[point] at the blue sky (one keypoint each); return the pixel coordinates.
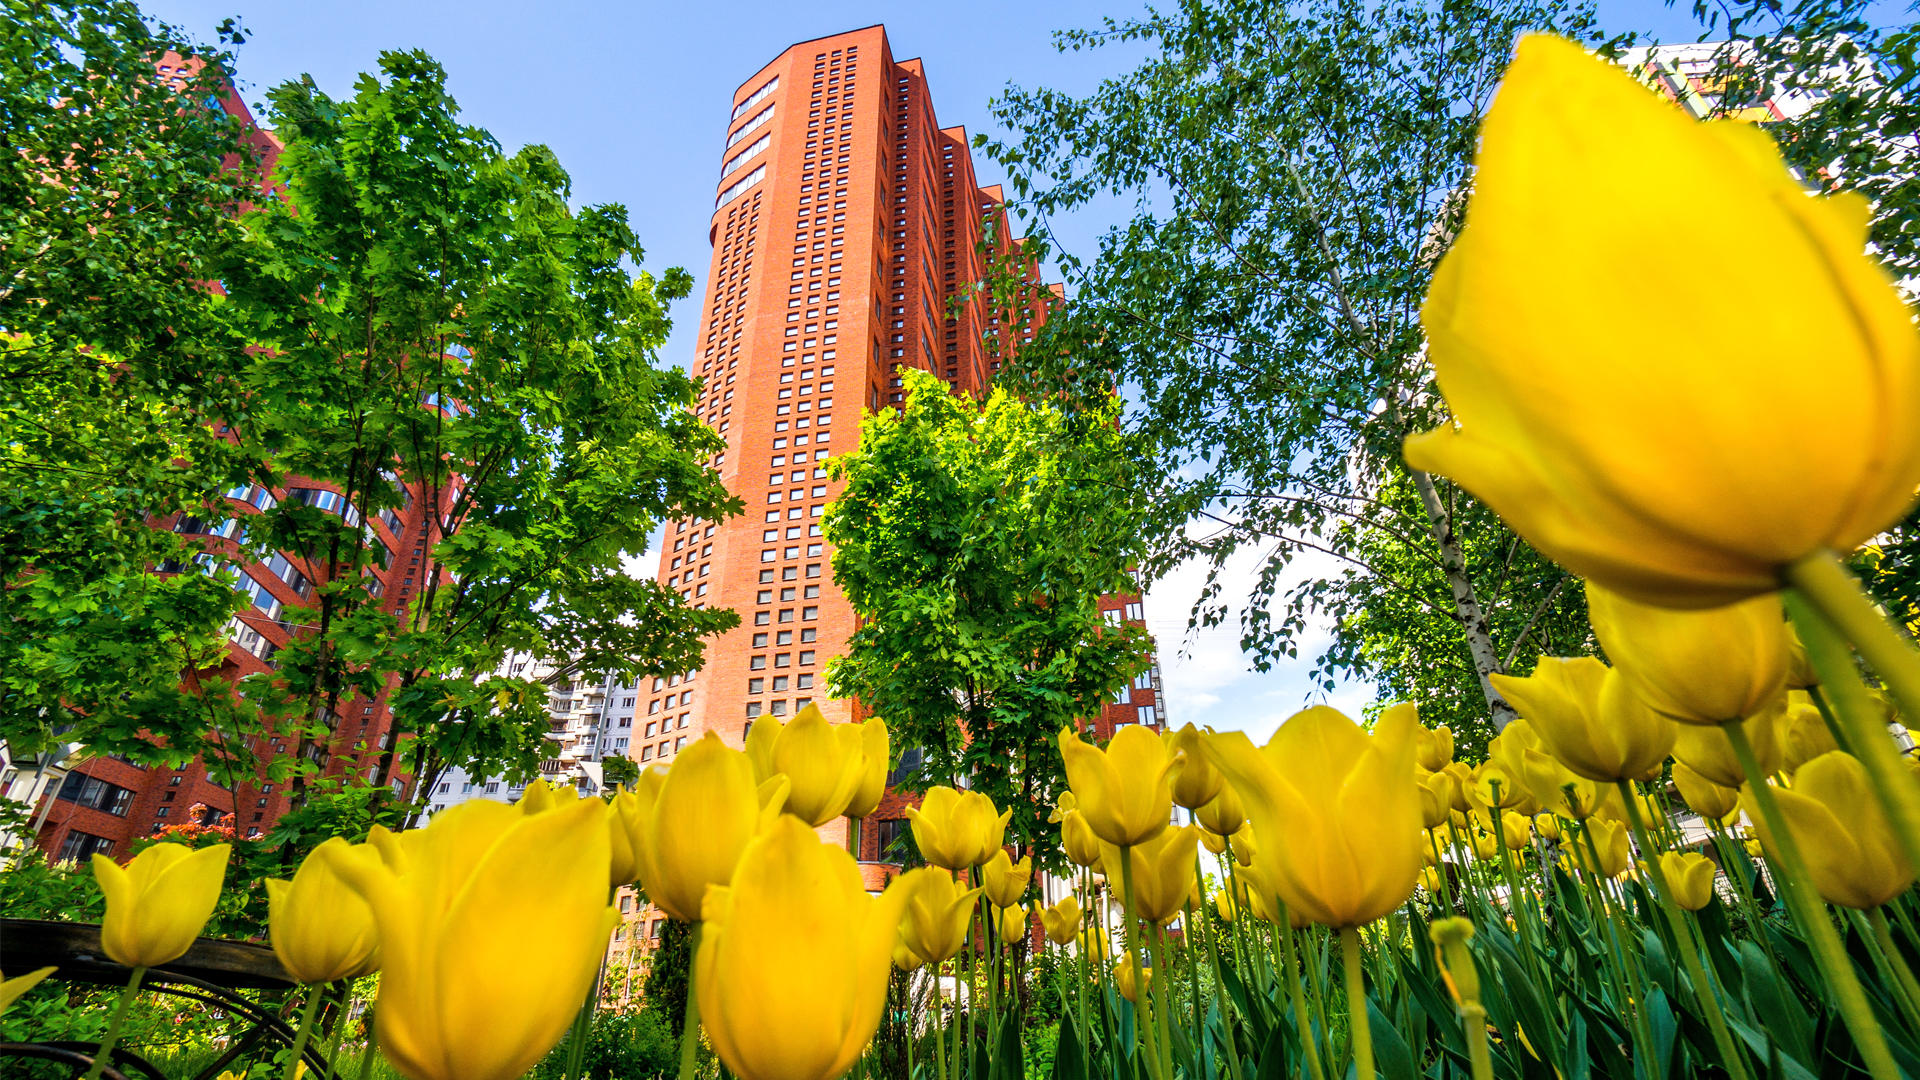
(634, 98)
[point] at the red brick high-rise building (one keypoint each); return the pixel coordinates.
(846, 222)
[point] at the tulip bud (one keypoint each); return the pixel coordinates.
(957, 830)
(1690, 877)
(159, 902)
(1194, 781)
(1548, 826)
(1800, 672)
(320, 927)
(542, 796)
(1004, 879)
(1225, 814)
(1494, 787)
(1012, 923)
(1559, 790)
(1062, 920)
(1213, 841)
(710, 783)
(906, 959)
(1223, 904)
(1589, 444)
(827, 765)
(1076, 837)
(1609, 838)
(813, 1013)
(1094, 942)
(1514, 827)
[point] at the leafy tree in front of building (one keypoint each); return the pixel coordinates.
(974, 539)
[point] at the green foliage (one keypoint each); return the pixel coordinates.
(429, 320)
(1295, 170)
(619, 772)
(115, 199)
(974, 540)
(669, 975)
(634, 1045)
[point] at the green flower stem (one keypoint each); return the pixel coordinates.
(1440, 871)
(1359, 1031)
(1827, 717)
(1473, 1016)
(1812, 916)
(1625, 985)
(1706, 992)
(1535, 951)
(305, 1031)
(1193, 972)
(1162, 993)
(1313, 961)
(112, 1037)
(1878, 946)
(1882, 933)
(1226, 1002)
(1283, 936)
(1142, 1025)
(690, 1022)
(1830, 610)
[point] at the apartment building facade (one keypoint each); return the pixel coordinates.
(849, 231)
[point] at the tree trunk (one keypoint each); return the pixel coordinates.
(1466, 605)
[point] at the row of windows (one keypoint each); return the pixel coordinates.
(96, 794)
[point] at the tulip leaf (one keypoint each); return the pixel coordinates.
(1773, 1003)
(1767, 1050)
(1008, 1063)
(1659, 963)
(1391, 1055)
(1069, 1057)
(1273, 1064)
(1665, 1030)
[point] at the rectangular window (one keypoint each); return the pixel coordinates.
(83, 845)
(96, 794)
(1147, 715)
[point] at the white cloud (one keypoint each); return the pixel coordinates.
(1209, 681)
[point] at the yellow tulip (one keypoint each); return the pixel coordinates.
(542, 796)
(793, 963)
(1460, 791)
(826, 764)
(1842, 830)
(709, 783)
(1013, 924)
(159, 902)
(1628, 429)
(1494, 785)
(1484, 846)
(1804, 734)
(12, 989)
(906, 959)
(1004, 879)
(1225, 814)
(1690, 875)
(1213, 841)
(1431, 881)
(1436, 799)
(1094, 941)
(1548, 826)
(1514, 827)
(320, 927)
(1194, 780)
(1123, 977)
(1246, 847)
(1708, 751)
(1559, 790)
(457, 999)
(1224, 905)
(1124, 791)
(877, 748)
(1610, 839)
(626, 814)
(1076, 836)
(1697, 667)
(1800, 673)
(938, 912)
(1162, 871)
(1589, 718)
(1433, 749)
(1706, 798)
(1062, 920)
(957, 829)
(1342, 807)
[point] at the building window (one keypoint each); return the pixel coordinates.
(83, 845)
(95, 794)
(1146, 714)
